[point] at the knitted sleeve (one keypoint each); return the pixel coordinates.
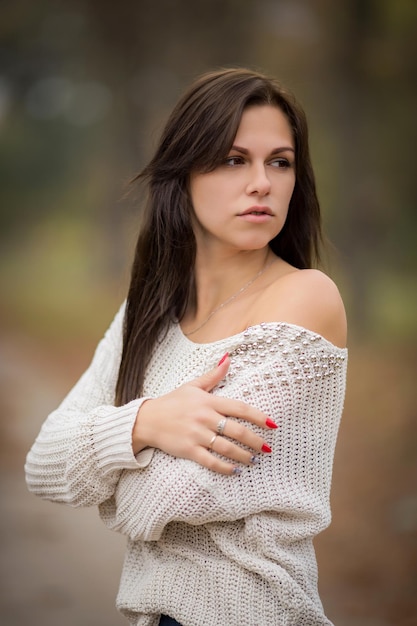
(84, 445)
(300, 383)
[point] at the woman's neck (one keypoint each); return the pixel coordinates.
(221, 281)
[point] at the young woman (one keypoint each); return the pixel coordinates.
(205, 426)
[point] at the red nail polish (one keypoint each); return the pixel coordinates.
(270, 423)
(266, 448)
(224, 357)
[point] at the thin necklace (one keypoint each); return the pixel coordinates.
(233, 297)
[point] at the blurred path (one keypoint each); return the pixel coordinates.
(59, 565)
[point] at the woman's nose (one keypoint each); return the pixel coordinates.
(258, 183)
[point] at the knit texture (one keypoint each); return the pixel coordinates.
(207, 549)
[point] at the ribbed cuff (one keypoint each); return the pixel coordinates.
(112, 438)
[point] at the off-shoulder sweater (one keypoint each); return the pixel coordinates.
(206, 548)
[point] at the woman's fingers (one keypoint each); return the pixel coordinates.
(228, 457)
(229, 450)
(241, 410)
(237, 443)
(210, 379)
(205, 458)
(243, 435)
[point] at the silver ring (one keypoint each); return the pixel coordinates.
(221, 425)
(212, 440)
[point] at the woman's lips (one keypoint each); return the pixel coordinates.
(257, 208)
(256, 214)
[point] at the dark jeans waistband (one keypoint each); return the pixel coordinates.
(168, 621)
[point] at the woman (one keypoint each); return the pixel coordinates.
(227, 333)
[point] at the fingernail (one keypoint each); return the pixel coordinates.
(237, 470)
(270, 423)
(254, 459)
(266, 448)
(224, 357)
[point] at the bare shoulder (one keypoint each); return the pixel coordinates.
(307, 298)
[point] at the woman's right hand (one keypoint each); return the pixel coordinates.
(183, 423)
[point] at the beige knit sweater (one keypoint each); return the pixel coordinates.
(207, 549)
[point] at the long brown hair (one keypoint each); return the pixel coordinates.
(198, 135)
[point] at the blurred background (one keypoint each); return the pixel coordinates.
(85, 87)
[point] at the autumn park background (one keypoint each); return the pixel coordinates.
(85, 86)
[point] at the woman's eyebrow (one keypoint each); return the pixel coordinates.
(283, 149)
(274, 151)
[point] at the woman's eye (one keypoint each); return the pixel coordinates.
(281, 163)
(233, 160)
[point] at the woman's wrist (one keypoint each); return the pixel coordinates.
(139, 438)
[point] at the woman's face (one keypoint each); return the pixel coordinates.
(243, 203)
